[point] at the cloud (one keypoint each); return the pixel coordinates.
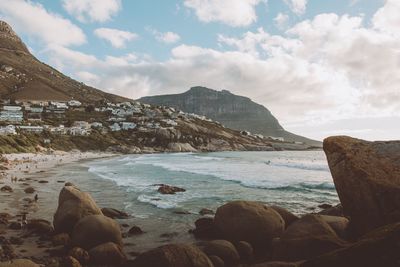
(297, 6)
(236, 13)
(47, 27)
(387, 18)
(116, 38)
(164, 37)
(281, 20)
(92, 10)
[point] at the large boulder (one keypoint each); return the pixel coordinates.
(223, 249)
(367, 179)
(107, 254)
(378, 248)
(249, 221)
(94, 230)
(338, 224)
(73, 205)
(306, 238)
(174, 255)
(286, 215)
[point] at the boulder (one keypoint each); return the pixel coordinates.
(107, 254)
(333, 211)
(367, 179)
(70, 262)
(249, 221)
(174, 255)
(216, 261)
(286, 215)
(94, 230)
(206, 229)
(206, 212)
(245, 250)
(169, 190)
(277, 264)
(39, 226)
(338, 224)
(378, 248)
(60, 239)
(19, 263)
(80, 254)
(114, 213)
(135, 230)
(73, 205)
(222, 249)
(306, 238)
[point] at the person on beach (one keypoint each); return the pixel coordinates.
(36, 198)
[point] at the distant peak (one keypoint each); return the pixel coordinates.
(202, 89)
(9, 39)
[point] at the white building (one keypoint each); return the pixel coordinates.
(96, 125)
(77, 131)
(281, 139)
(81, 124)
(115, 127)
(128, 125)
(31, 129)
(10, 129)
(74, 103)
(12, 114)
(170, 122)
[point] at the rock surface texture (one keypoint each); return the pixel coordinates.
(367, 179)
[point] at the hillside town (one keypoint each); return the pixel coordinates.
(39, 116)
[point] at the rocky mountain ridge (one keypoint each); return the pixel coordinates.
(233, 111)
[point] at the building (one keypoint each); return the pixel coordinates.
(96, 125)
(77, 131)
(31, 129)
(74, 103)
(81, 124)
(128, 125)
(12, 114)
(115, 127)
(8, 130)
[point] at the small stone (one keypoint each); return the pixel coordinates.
(135, 230)
(6, 188)
(29, 190)
(206, 212)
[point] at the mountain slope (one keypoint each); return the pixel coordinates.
(22, 76)
(236, 112)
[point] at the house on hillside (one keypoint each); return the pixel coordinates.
(8, 130)
(128, 125)
(12, 114)
(81, 124)
(74, 103)
(115, 127)
(77, 131)
(31, 129)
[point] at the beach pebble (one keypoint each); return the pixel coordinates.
(6, 188)
(29, 190)
(135, 230)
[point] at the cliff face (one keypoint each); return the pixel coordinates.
(236, 112)
(23, 77)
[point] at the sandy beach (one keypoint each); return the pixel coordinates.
(24, 177)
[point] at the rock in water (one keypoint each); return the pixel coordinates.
(94, 230)
(306, 238)
(169, 190)
(367, 179)
(176, 255)
(114, 213)
(249, 221)
(73, 205)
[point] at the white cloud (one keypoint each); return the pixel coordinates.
(387, 18)
(34, 20)
(297, 6)
(235, 13)
(117, 38)
(281, 20)
(92, 10)
(164, 37)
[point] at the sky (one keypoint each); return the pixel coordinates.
(321, 67)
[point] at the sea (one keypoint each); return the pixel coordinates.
(297, 180)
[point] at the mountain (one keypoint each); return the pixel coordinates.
(23, 77)
(233, 111)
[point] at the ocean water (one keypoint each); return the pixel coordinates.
(296, 180)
